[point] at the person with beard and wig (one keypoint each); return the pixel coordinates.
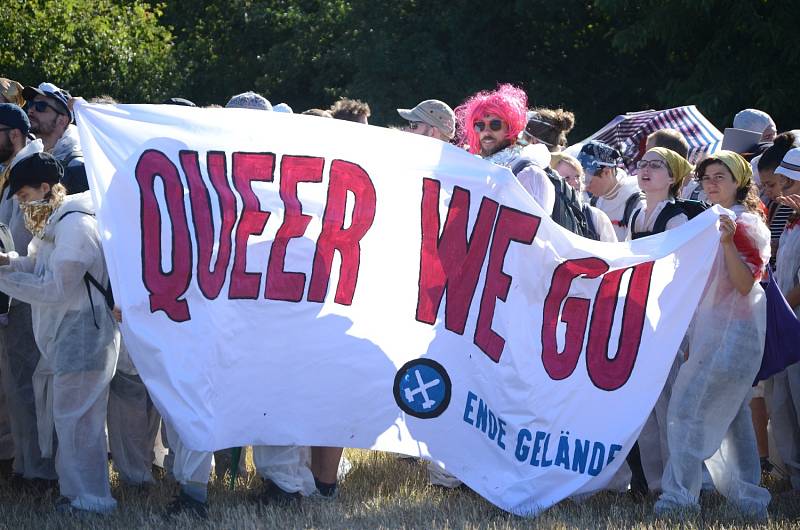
(51, 121)
(61, 277)
(489, 124)
(20, 355)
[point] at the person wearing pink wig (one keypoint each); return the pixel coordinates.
(489, 123)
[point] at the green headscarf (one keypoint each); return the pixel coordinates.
(679, 167)
(736, 164)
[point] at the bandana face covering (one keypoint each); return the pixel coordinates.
(37, 213)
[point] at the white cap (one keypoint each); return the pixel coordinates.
(790, 165)
(752, 120)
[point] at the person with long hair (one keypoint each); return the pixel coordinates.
(708, 418)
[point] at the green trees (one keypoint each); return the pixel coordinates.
(598, 58)
(89, 47)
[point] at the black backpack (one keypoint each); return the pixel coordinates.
(568, 211)
(89, 280)
(630, 206)
(673, 208)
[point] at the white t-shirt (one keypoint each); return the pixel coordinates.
(602, 225)
(613, 202)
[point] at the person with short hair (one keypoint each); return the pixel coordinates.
(432, 118)
(73, 327)
(671, 139)
(708, 418)
(572, 172)
(612, 190)
(351, 110)
(51, 121)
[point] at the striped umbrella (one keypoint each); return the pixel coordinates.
(628, 132)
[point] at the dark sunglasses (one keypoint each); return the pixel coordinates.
(414, 125)
(494, 125)
(42, 106)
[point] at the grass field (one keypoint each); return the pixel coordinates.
(381, 491)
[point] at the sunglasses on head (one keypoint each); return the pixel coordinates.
(42, 106)
(494, 125)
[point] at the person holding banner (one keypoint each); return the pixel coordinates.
(73, 327)
(489, 124)
(708, 418)
(661, 174)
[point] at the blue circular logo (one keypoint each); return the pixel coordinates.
(422, 388)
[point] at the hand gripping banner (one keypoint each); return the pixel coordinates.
(289, 279)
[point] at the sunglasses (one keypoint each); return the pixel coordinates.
(42, 106)
(494, 125)
(414, 125)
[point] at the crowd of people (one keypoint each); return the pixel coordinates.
(71, 396)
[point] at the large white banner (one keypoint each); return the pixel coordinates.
(291, 279)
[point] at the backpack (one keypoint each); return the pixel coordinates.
(568, 211)
(89, 281)
(689, 208)
(630, 206)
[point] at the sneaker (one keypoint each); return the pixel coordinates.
(325, 491)
(185, 504)
(671, 509)
(6, 468)
(63, 506)
(272, 494)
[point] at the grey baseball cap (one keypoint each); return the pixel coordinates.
(433, 112)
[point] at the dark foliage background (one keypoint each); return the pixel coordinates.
(598, 58)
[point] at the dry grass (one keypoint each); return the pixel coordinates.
(380, 492)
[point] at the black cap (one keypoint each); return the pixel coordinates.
(13, 116)
(33, 171)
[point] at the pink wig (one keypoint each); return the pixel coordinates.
(508, 102)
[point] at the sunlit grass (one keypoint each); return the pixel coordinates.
(381, 491)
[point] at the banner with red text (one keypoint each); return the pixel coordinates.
(289, 279)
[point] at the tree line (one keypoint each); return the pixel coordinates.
(598, 58)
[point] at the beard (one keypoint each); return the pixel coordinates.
(6, 149)
(41, 127)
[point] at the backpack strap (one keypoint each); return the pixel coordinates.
(90, 281)
(521, 164)
(630, 205)
(75, 211)
(670, 210)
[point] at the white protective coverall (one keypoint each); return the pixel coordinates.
(286, 466)
(20, 353)
(783, 389)
(133, 423)
(708, 417)
(78, 340)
